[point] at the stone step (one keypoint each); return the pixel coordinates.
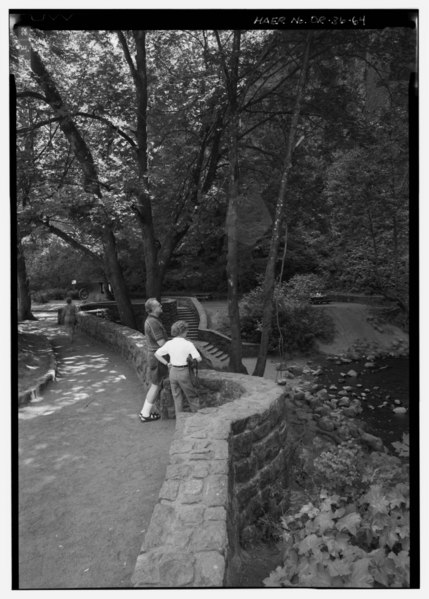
(190, 319)
(212, 351)
(216, 352)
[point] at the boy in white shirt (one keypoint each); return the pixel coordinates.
(179, 349)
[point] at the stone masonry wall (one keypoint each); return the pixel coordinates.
(131, 344)
(227, 467)
(258, 448)
(168, 316)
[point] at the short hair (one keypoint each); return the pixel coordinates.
(149, 304)
(178, 327)
(68, 300)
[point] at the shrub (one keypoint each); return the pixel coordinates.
(301, 287)
(39, 296)
(340, 470)
(295, 325)
(47, 295)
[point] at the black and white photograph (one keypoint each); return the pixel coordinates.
(214, 299)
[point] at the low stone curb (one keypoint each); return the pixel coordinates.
(41, 383)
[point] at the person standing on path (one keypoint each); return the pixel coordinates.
(70, 318)
(179, 350)
(156, 336)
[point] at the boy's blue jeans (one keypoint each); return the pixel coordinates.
(181, 386)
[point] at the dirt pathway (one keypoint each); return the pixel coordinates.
(352, 326)
(89, 471)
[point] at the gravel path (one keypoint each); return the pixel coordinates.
(89, 472)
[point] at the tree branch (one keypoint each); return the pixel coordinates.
(72, 134)
(69, 239)
(110, 124)
(127, 55)
(30, 94)
(223, 61)
(81, 114)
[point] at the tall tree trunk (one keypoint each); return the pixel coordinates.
(156, 258)
(374, 248)
(395, 251)
(269, 278)
(24, 297)
(231, 79)
(115, 276)
(235, 355)
(150, 244)
(284, 253)
(90, 181)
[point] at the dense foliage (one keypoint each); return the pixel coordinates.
(347, 207)
(296, 325)
(355, 530)
(199, 160)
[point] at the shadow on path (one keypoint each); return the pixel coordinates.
(89, 471)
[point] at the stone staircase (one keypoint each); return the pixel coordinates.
(218, 358)
(189, 315)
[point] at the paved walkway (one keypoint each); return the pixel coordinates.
(89, 471)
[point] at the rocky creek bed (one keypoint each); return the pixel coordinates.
(383, 391)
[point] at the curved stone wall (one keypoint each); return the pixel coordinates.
(131, 344)
(227, 467)
(168, 316)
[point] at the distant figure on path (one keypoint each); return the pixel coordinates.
(179, 348)
(156, 336)
(70, 318)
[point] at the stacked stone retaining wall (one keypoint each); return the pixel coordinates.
(131, 344)
(227, 468)
(168, 316)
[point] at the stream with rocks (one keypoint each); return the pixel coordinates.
(383, 390)
(375, 392)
